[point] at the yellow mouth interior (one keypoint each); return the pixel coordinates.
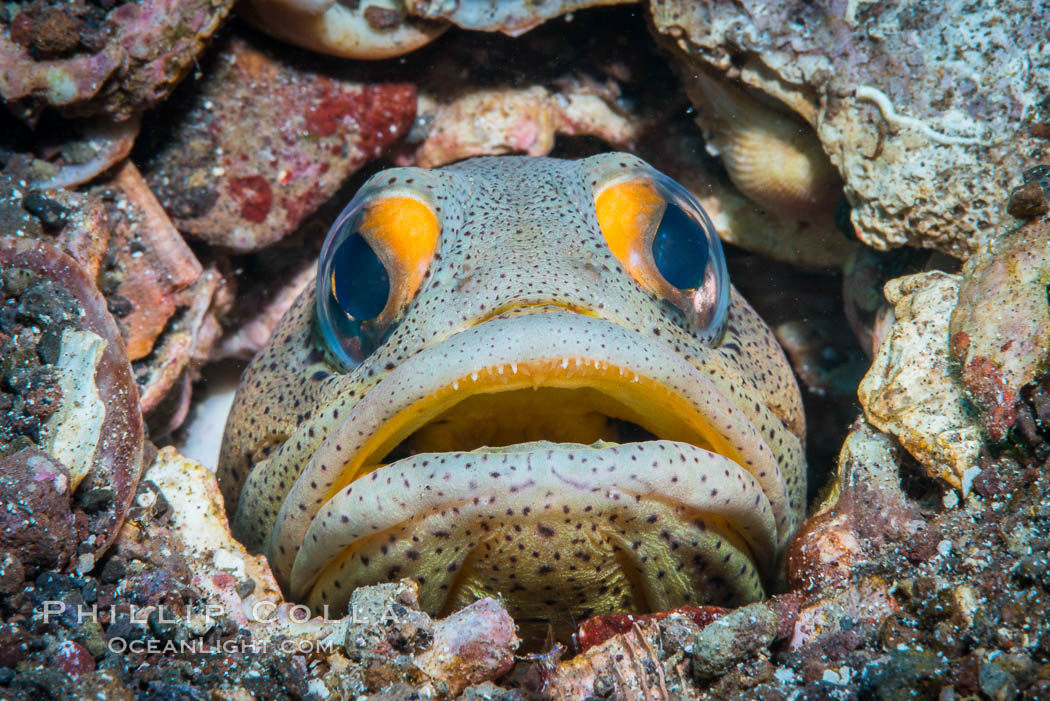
(575, 400)
(556, 414)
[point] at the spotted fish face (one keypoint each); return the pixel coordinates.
(526, 378)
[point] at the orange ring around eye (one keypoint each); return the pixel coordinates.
(403, 232)
(628, 214)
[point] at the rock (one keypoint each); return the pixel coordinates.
(73, 658)
(95, 500)
(113, 571)
(385, 629)
(1000, 328)
(47, 304)
(265, 140)
(867, 601)
(902, 672)
(487, 691)
(910, 390)
(473, 645)
(84, 232)
(50, 213)
(52, 33)
(142, 53)
(386, 617)
(924, 115)
(1028, 201)
(864, 510)
(732, 638)
(35, 521)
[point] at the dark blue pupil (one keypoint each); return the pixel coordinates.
(680, 249)
(360, 282)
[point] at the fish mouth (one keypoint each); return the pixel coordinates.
(561, 461)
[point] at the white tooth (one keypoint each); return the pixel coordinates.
(474, 376)
(579, 362)
(564, 363)
(514, 368)
(455, 386)
(635, 378)
(500, 369)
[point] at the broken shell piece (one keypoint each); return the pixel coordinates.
(628, 665)
(113, 450)
(371, 29)
(72, 432)
(199, 520)
(165, 376)
(512, 17)
(148, 263)
(595, 631)
(509, 120)
(910, 391)
(773, 157)
(109, 141)
(1000, 329)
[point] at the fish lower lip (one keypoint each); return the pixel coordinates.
(583, 514)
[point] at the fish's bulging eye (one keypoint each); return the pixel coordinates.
(680, 249)
(371, 266)
(666, 242)
(360, 283)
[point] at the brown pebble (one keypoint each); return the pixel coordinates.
(55, 34)
(40, 530)
(1041, 130)
(43, 400)
(1028, 201)
(73, 658)
(987, 483)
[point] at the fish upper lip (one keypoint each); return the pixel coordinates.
(505, 342)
